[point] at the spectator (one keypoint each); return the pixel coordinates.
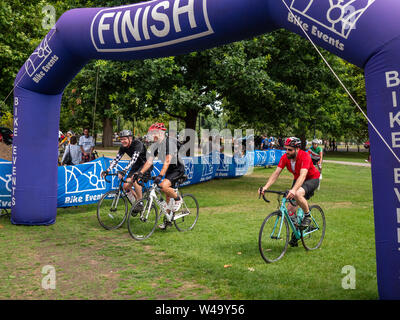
(74, 151)
(368, 146)
(264, 143)
(87, 145)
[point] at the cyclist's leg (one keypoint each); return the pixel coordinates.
(166, 187)
(301, 200)
(129, 191)
(304, 193)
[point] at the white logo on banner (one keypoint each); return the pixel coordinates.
(189, 167)
(5, 184)
(86, 180)
(39, 56)
(128, 27)
(341, 15)
(208, 168)
(262, 157)
(271, 157)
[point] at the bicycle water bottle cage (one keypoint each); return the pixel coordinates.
(292, 201)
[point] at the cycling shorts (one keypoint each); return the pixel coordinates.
(309, 187)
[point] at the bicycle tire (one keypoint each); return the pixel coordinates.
(273, 247)
(187, 216)
(313, 240)
(138, 227)
(108, 217)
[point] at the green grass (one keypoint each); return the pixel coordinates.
(92, 263)
(347, 156)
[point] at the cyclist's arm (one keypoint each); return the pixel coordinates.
(115, 161)
(273, 178)
(135, 156)
(166, 164)
(147, 165)
(320, 159)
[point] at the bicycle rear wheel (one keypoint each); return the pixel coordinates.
(141, 224)
(186, 217)
(273, 238)
(112, 209)
(313, 235)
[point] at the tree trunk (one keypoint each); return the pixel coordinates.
(190, 123)
(107, 133)
(191, 119)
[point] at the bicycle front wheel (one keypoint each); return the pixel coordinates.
(112, 209)
(313, 235)
(142, 219)
(186, 217)
(273, 238)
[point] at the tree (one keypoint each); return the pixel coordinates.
(21, 31)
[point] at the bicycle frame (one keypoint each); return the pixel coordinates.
(297, 232)
(154, 197)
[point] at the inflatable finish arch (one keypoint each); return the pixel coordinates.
(363, 32)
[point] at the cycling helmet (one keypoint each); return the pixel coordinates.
(316, 141)
(293, 142)
(158, 126)
(125, 133)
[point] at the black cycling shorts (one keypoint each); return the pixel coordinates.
(309, 187)
(175, 174)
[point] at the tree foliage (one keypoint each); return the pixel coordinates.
(275, 83)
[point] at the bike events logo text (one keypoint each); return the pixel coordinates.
(40, 63)
(392, 83)
(150, 25)
(338, 16)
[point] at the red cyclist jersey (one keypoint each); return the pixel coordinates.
(303, 161)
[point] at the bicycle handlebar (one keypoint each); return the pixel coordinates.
(115, 174)
(280, 193)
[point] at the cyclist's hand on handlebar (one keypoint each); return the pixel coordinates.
(261, 190)
(290, 195)
(104, 173)
(157, 179)
(121, 174)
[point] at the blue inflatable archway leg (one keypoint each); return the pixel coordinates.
(382, 74)
(34, 157)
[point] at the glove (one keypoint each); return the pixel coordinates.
(157, 179)
(139, 176)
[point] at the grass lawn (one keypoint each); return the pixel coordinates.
(219, 259)
(347, 156)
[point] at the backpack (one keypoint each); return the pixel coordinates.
(68, 158)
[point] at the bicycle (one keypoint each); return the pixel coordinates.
(112, 208)
(4, 213)
(142, 224)
(274, 234)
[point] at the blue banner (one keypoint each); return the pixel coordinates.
(82, 184)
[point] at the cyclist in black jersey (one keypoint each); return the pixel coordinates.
(137, 151)
(167, 150)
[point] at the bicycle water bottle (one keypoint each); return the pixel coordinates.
(300, 215)
(163, 204)
(293, 217)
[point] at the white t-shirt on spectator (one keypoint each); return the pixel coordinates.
(86, 143)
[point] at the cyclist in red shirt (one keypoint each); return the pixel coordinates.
(306, 177)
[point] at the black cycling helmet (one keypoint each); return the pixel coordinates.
(125, 133)
(293, 142)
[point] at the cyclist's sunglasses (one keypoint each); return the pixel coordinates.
(289, 149)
